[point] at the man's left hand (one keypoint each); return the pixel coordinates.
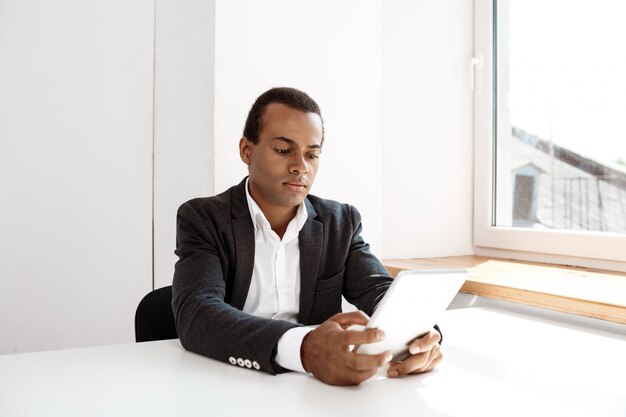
(425, 355)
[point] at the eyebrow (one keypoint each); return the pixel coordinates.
(292, 142)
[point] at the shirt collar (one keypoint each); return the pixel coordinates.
(257, 214)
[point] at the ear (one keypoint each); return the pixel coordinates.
(245, 150)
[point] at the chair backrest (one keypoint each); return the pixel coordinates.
(154, 319)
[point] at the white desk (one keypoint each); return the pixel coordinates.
(497, 364)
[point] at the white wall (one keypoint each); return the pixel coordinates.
(330, 49)
(77, 152)
(427, 127)
(183, 118)
(75, 171)
(392, 79)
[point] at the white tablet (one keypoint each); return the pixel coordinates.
(411, 307)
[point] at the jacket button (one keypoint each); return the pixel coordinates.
(232, 361)
(247, 363)
(256, 365)
(240, 362)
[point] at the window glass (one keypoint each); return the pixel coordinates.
(560, 118)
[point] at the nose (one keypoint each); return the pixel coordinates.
(298, 165)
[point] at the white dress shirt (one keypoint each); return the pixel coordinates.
(275, 286)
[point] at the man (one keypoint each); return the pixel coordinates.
(264, 259)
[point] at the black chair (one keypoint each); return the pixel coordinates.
(154, 319)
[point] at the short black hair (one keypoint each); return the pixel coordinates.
(290, 97)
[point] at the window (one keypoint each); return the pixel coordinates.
(550, 101)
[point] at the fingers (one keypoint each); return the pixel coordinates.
(361, 337)
(422, 362)
(325, 351)
(433, 364)
(360, 362)
(346, 320)
(425, 355)
(356, 337)
(425, 343)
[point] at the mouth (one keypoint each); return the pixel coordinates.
(295, 185)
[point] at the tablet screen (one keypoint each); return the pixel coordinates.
(411, 307)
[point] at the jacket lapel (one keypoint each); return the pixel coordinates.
(310, 242)
(243, 234)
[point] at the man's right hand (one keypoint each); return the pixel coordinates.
(325, 351)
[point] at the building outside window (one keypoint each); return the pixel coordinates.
(561, 106)
(550, 123)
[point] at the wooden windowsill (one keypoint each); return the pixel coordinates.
(582, 291)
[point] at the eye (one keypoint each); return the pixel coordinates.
(282, 151)
(312, 156)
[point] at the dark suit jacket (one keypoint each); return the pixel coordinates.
(215, 246)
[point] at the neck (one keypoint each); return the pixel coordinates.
(279, 218)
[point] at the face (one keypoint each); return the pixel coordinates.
(283, 164)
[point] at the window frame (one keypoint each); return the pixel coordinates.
(595, 245)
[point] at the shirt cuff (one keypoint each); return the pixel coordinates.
(288, 349)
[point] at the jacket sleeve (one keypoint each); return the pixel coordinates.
(206, 323)
(366, 280)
